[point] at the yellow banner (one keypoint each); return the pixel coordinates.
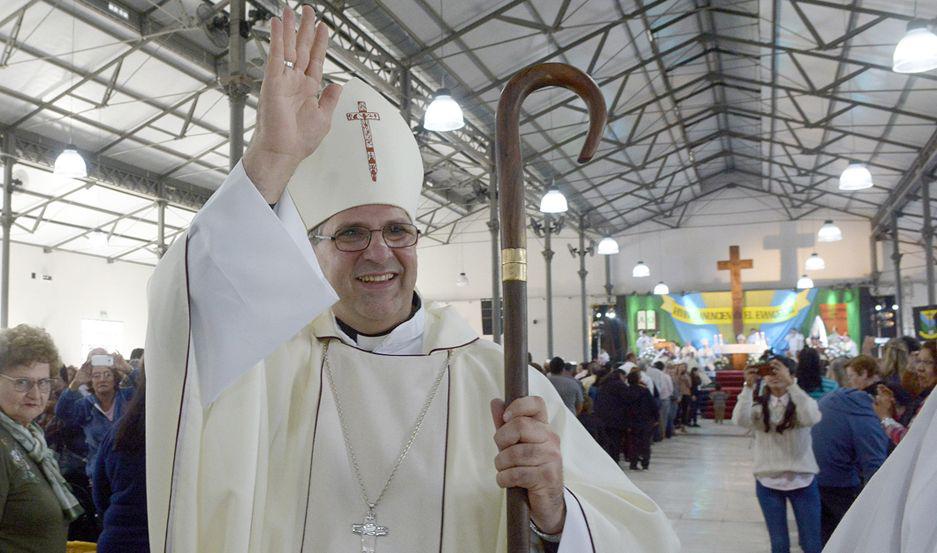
(754, 315)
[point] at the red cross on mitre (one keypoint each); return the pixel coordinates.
(364, 116)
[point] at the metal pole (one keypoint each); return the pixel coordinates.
(873, 259)
(238, 84)
(608, 278)
(494, 227)
(160, 227)
(928, 240)
(548, 256)
(896, 259)
(582, 289)
(7, 220)
(405, 103)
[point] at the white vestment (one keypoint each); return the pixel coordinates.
(895, 511)
(644, 343)
(244, 449)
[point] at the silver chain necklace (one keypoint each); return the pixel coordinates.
(369, 529)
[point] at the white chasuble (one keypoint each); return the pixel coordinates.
(244, 449)
(381, 401)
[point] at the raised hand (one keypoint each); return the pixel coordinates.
(82, 376)
(292, 117)
(884, 402)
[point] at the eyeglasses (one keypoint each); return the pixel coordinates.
(356, 239)
(25, 385)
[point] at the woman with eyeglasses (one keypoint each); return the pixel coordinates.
(36, 504)
(97, 411)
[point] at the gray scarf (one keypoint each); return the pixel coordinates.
(33, 441)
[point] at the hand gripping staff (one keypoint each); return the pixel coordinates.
(510, 167)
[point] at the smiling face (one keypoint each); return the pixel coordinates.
(24, 407)
(374, 285)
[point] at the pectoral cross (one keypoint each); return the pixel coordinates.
(369, 532)
(364, 116)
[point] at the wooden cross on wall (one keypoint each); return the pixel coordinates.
(735, 265)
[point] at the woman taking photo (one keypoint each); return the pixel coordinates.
(120, 481)
(96, 412)
(35, 502)
(780, 416)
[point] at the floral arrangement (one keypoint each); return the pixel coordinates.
(835, 351)
(649, 355)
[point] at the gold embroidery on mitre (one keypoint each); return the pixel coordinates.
(364, 116)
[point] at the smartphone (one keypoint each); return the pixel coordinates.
(764, 369)
(102, 360)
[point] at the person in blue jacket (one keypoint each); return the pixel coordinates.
(119, 481)
(96, 412)
(848, 443)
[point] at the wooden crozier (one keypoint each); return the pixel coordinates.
(510, 167)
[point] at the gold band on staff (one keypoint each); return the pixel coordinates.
(514, 264)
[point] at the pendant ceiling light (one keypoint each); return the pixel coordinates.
(444, 113)
(917, 51)
(829, 232)
(553, 202)
(70, 164)
(98, 240)
(462, 280)
(804, 283)
(607, 246)
(855, 177)
(661, 289)
(641, 270)
(815, 263)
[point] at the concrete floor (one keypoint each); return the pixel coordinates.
(703, 481)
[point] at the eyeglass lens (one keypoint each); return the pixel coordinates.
(24, 385)
(396, 235)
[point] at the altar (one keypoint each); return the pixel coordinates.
(739, 353)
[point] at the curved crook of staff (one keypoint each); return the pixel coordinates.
(510, 167)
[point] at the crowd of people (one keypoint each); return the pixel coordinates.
(629, 405)
(71, 447)
(72, 439)
(822, 431)
(821, 428)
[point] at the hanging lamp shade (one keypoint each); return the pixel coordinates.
(444, 113)
(70, 164)
(607, 246)
(917, 50)
(804, 283)
(98, 240)
(855, 177)
(829, 232)
(641, 270)
(661, 289)
(553, 202)
(462, 280)
(815, 263)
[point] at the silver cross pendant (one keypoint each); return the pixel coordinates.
(369, 532)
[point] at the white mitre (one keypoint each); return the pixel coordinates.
(369, 157)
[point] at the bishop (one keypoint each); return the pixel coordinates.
(303, 395)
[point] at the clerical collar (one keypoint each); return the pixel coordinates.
(415, 305)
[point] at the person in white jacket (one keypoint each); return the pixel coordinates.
(781, 416)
